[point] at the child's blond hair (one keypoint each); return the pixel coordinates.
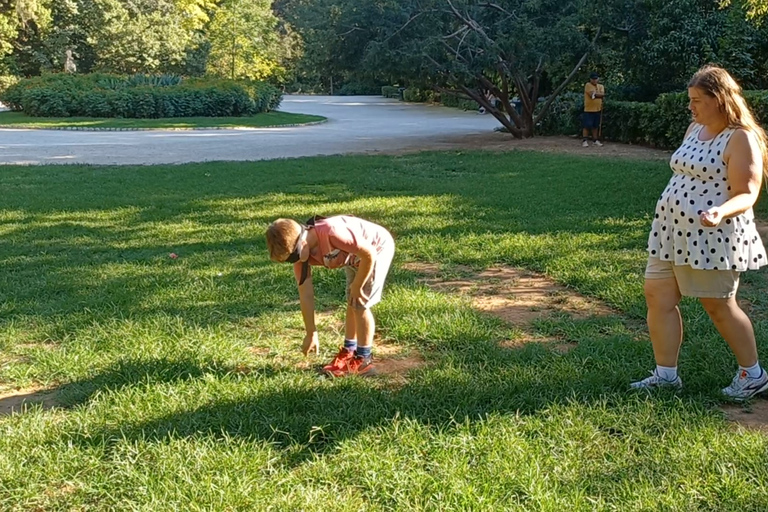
(282, 236)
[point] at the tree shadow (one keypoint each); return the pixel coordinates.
(121, 375)
(463, 383)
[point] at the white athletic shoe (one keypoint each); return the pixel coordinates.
(585, 144)
(597, 143)
(744, 387)
(655, 381)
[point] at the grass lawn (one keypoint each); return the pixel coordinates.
(20, 120)
(183, 381)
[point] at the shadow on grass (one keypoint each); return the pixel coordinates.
(463, 383)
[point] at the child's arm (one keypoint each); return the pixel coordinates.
(307, 301)
(367, 255)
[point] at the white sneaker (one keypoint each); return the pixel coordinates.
(743, 386)
(585, 144)
(655, 381)
(597, 143)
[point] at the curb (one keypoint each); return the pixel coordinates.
(177, 129)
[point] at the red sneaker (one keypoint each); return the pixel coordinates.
(339, 363)
(361, 366)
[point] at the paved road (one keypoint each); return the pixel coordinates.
(355, 124)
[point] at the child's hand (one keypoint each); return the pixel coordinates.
(357, 297)
(311, 343)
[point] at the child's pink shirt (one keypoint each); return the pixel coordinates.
(340, 238)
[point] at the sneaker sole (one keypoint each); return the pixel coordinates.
(762, 389)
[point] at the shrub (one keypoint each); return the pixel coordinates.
(415, 95)
(563, 115)
(632, 122)
(140, 96)
(390, 91)
(358, 89)
(662, 123)
(452, 100)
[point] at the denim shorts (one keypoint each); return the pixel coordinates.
(590, 119)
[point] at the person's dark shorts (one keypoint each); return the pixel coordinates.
(590, 119)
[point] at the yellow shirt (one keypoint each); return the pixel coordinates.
(591, 105)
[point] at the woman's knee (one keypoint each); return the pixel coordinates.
(717, 308)
(661, 294)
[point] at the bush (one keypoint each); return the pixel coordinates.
(452, 100)
(662, 123)
(390, 91)
(358, 89)
(632, 122)
(563, 116)
(415, 95)
(140, 96)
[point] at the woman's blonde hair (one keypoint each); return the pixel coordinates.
(719, 84)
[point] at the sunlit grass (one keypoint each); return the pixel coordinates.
(267, 119)
(183, 386)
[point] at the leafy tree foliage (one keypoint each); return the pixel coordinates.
(244, 39)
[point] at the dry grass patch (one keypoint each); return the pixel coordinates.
(753, 416)
(517, 296)
(18, 401)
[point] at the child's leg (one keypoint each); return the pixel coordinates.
(366, 327)
(350, 329)
(350, 324)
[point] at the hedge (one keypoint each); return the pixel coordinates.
(662, 123)
(390, 91)
(417, 95)
(101, 95)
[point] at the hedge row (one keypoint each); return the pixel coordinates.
(390, 91)
(662, 123)
(98, 95)
(416, 95)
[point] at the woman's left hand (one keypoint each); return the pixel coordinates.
(711, 218)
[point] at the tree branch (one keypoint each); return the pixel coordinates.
(567, 80)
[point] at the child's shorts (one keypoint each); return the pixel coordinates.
(374, 287)
(709, 284)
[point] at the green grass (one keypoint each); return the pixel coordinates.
(181, 378)
(268, 119)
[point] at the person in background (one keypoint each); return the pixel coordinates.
(594, 93)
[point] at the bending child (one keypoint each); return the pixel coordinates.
(365, 251)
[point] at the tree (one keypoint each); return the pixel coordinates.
(508, 48)
(22, 23)
(244, 40)
(137, 36)
(755, 9)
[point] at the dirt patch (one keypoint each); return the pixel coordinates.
(516, 296)
(752, 417)
(393, 361)
(18, 401)
(497, 141)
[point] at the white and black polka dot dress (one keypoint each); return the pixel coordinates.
(700, 182)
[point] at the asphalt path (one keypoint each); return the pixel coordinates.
(356, 124)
